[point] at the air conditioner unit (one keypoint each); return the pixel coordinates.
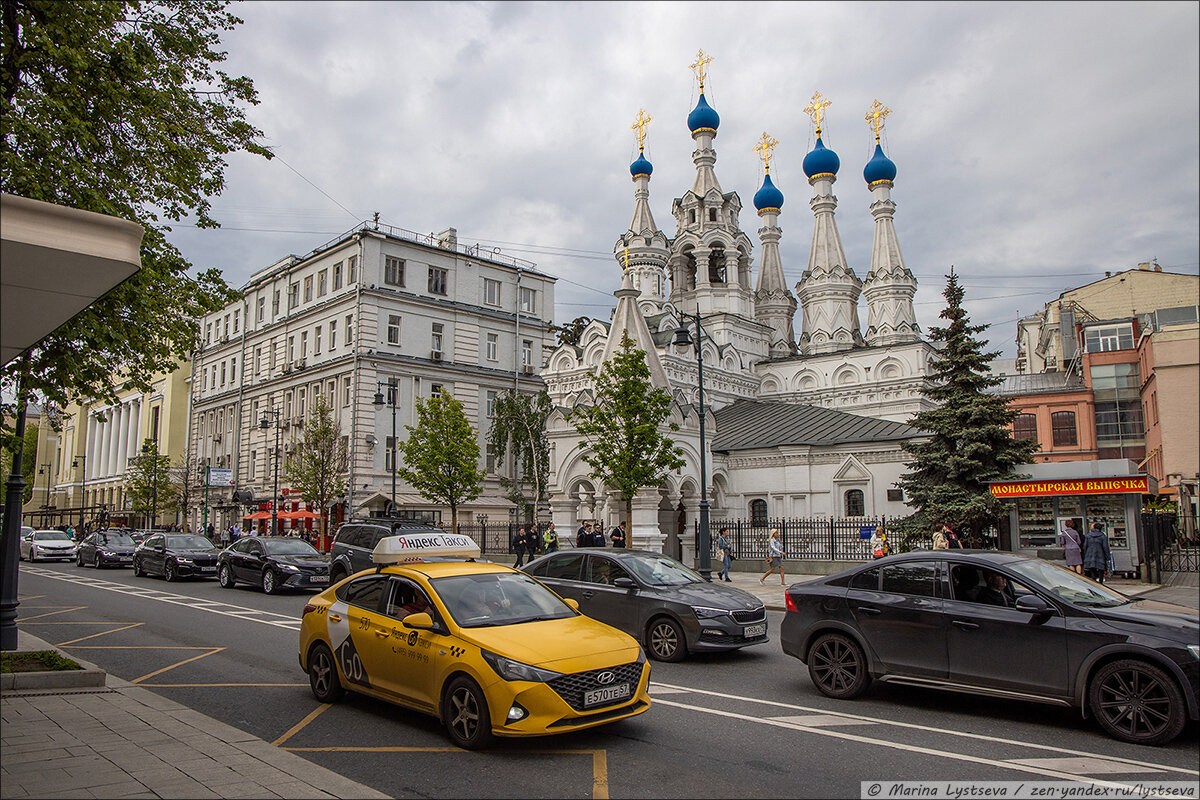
(300, 363)
(436, 355)
(287, 368)
(526, 369)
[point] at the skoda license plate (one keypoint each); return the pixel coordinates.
(755, 630)
(605, 694)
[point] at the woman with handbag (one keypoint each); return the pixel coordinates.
(1072, 542)
(725, 551)
(774, 557)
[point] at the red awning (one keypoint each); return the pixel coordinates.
(301, 514)
(259, 515)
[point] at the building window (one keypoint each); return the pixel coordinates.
(233, 370)
(437, 280)
(491, 292)
(1101, 339)
(490, 463)
(236, 316)
(317, 342)
(257, 360)
(435, 390)
(274, 346)
(337, 276)
(349, 329)
(528, 300)
(208, 333)
(1063, 425)
(493, 345)
(692, 215)
(855, 503)
(291, 349)
(222, 373)
(301, 393)
(293, 296)
(393, 271)
(253, 463)
(262, 309)
(758, 513)
(287, 405)
(303, 344)
(491, 404)
(226, 326)
(308, 287)
(389, 447)
(436, 338)
(333, 334)
(352, 269)
(1025, 427)
(393, 329)
(275, 305)
(526, 352)
(322, 283)
(712, 215)
(346, 391)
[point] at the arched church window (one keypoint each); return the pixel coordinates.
(692, 216)
(690, 270)
(716, 264)
(855, 503)
(712, 215)
(758, 513)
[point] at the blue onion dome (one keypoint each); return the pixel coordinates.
(821, 160)
(703, 116)
(641, 166)
(879, 168)
(768, 196)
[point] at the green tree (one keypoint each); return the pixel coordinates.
(442, 455)
(151, 486)
(119, 108)
(318, 467)
(969, 432)
(622, 433)
(570, 333)
(28, 460)
(519, 420)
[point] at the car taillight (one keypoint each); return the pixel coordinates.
(307, 608)
(791, 601)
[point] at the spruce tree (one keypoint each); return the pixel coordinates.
(970, 438)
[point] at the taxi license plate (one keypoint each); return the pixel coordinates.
(755, 630)
(318, 579)
(605, 694)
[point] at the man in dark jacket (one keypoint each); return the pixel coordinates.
(583, 536)
(618, 535)
(519, 541)
(533, 541)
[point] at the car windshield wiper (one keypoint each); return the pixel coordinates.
(541, 617)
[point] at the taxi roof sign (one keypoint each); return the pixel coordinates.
(418, 546)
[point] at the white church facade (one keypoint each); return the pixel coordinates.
(796, 425)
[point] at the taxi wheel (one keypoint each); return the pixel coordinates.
(323, 675)
(225, 577)
(666, 640)
(465, 714)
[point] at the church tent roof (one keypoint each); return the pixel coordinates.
(755, 424)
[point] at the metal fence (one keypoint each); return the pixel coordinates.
(811, 538)
(1162, 548)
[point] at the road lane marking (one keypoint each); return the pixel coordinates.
(292, 731)
(991, 739)
(911, 748)
(1090, 766)
(149, 593)
(61, 610)
(822, 720)
(180, 664)
(102, 633)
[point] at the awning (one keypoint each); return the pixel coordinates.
(259, 515)
(301, 514)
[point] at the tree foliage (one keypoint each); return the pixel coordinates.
(441, 454)
(119, 108)
(318, 465)
(969, 432)
(28, 457)
(622, 433)
(570, 333)
(519, 420)
(151, 486)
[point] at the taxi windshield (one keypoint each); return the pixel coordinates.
(498, 598)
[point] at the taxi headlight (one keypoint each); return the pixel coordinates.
(709, 613)
(516, 671)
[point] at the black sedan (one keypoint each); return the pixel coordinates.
(175, 556)
(667, 606)
(105, 549)
(274, 563)
(1002, 625)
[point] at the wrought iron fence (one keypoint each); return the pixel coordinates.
(1163, 549)
(807, 538)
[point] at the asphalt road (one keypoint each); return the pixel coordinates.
(745, 724)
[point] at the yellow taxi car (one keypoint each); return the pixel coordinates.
(488, 650)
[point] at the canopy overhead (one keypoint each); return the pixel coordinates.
(301, 514)
(258, 515)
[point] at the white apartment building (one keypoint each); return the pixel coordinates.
(376, 305)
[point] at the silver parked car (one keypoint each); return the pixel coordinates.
(46, 545)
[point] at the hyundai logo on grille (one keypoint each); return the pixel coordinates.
(605, 678)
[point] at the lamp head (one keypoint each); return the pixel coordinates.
(264, 423)
(683, 336)
(379, 401)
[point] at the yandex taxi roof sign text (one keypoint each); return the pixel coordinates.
(1130, 484)
(417, 546)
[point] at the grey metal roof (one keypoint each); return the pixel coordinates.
(752, 424)
(1039, 383)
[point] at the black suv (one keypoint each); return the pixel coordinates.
(355, 541)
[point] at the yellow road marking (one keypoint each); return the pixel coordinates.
(102, 633)
(76, 623)
(180, 664)
(139, 647)
(299, 725)
(52, 613)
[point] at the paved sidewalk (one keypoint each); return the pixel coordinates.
(122, 741)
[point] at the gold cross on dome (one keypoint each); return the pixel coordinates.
(639, 127)
(701, 66)
(816, 109)
(875, 116)
(626, 258)
(765, 147)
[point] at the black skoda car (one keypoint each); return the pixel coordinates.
(175, 556)
(1002, 625)
(105, 549)
(273, 563)
(656, 599)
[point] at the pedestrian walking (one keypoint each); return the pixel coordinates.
(583, 536)
(618, 535)
(775, 554)
(1072, 542)
(519, 542)
(880, 546)
(550, 539)
(725, 551)
(533, 540)
(1097, 558)
(598, 534)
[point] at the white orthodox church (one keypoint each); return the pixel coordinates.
(795, 426)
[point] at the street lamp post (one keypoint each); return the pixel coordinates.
(684, 337)
(263, 424)
(391, 401)
(80, 463)
(44, 469)
(153, 453)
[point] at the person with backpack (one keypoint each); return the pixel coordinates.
(550, 537)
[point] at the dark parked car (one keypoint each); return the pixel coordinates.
(1003, 625)
(273, 562)
(105, 549)
(355, 541)
(175, 556)
(656, 599)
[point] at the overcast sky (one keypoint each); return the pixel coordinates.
(1037, 145)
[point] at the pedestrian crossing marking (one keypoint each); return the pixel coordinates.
(1084, 766)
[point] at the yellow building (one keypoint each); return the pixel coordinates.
(88, 449)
